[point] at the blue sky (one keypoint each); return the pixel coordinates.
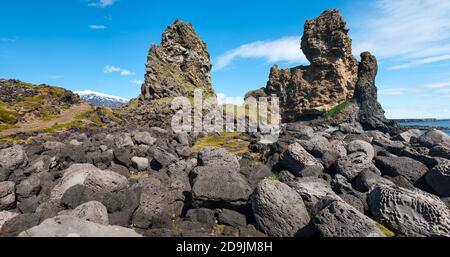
(101, 45)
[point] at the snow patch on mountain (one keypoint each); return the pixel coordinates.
(101, 99)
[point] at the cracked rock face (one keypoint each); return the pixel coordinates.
(180, 64)
(328, 81)
(410, 212)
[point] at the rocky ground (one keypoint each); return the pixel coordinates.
(315, 181)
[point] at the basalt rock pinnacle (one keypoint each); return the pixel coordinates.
(179, 65)
(369, 111)
(175, 68)
(328, 81)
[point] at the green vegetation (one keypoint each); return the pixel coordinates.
(138, 175)
(8, 116)
(6, 126)
(218, 229)
(93, 117)
(28, 85)
(12, 140)
(233, 142)
(385, 230)
(31, 102)
(254, 163)
(110, 114)
(274, 177)
(133, 104)
(338, 109)
(59, 127)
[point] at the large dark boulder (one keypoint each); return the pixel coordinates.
(439, 179)
(218, 186)
(433, 138)
(16, 225)
(410, 169)
(279, 210)
(162, 198)
(296, 158)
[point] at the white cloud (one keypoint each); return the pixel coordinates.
(8, 39)
(392, 91)
(438, 85)
(399, 91)
(410, 32)
(284, 49)
(404, 112)
(224, 99)
(113, 69)
(421, 61)
(101, 3)
(137, 82)
(97, 27)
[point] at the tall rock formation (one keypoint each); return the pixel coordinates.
(328, 81)
(365, 100)
(176, 67)
(180, 64)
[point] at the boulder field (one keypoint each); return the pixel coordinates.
(345, 184)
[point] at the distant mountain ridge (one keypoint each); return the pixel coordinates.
(101, 99)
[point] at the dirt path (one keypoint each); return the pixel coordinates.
(65, 117)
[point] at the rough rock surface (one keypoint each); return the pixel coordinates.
(296, 158)
(67, 226)
(410, 212)
(92, 211)
(7, 195)
(410, 169)
(232, 218)
(328, 81)
(440, 151)
(90, 176)
(439, 178)
(162, 198)
(339, 219)
(29, 186)
(218, 157)
(215, 185)
(279, 209)
(10, 159)
(434, 137)
(5, 216)
(367, 179)
(315, 192)
(361, 146)
(353, 164)
(19, 223)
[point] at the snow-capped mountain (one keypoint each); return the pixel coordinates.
(101, 99)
